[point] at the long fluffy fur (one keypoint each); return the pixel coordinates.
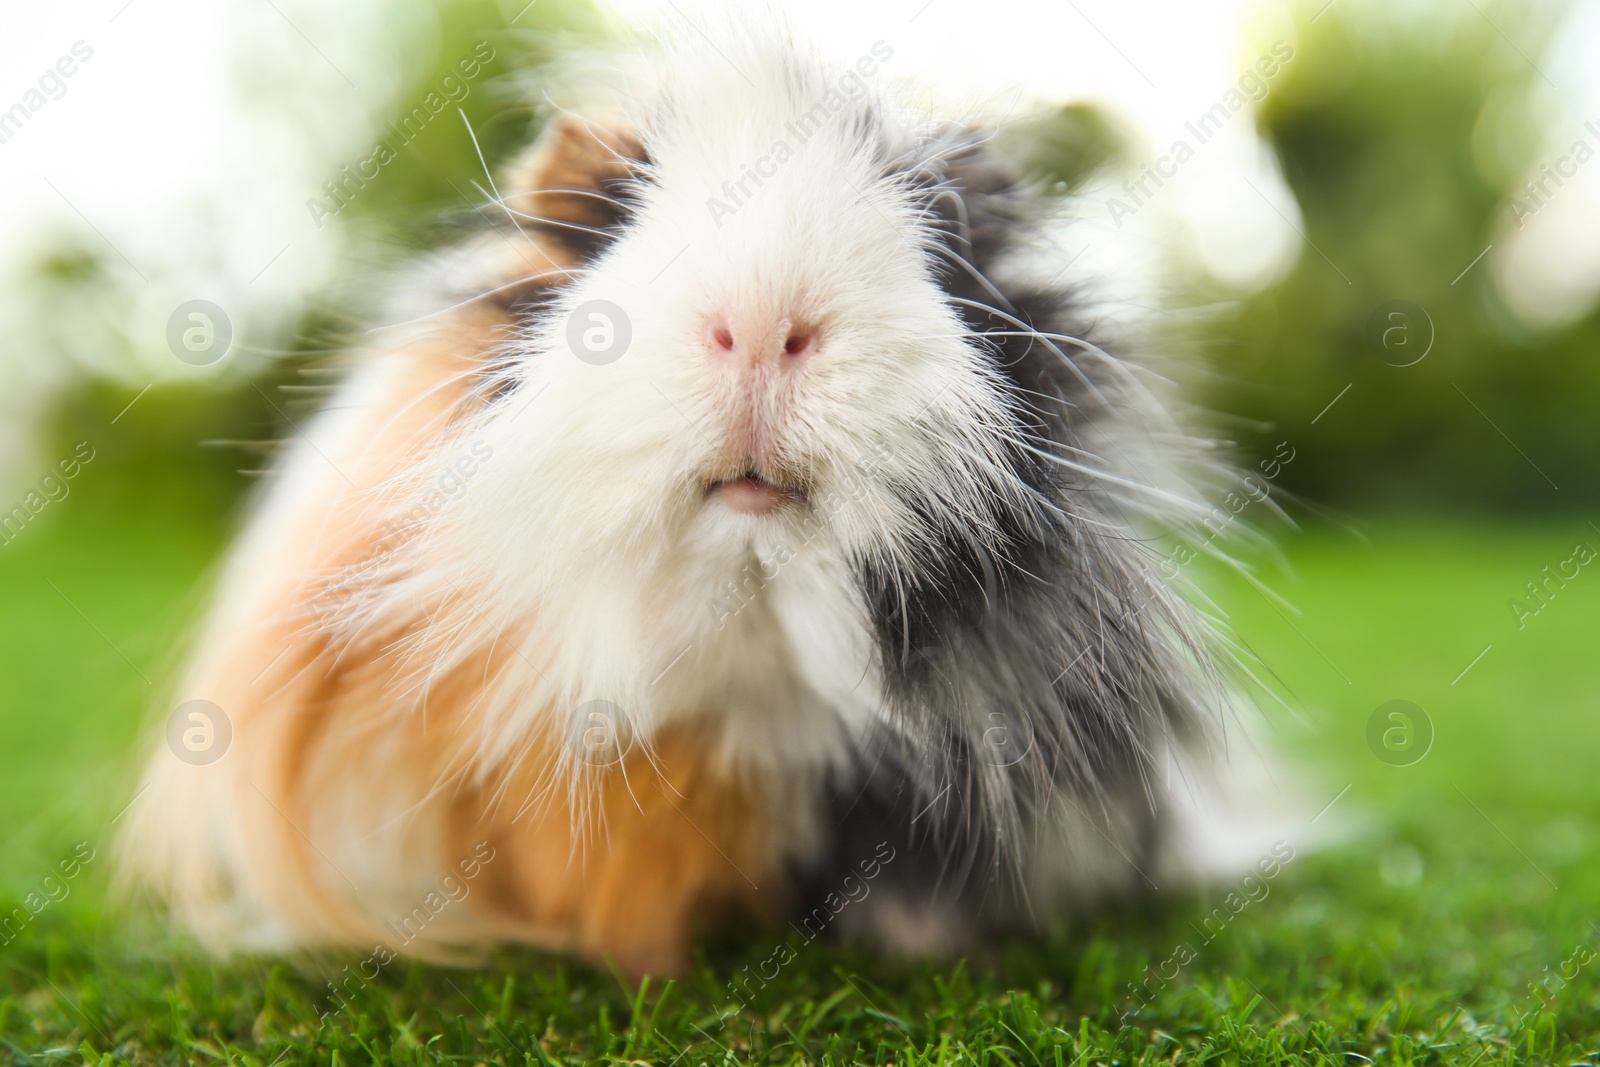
(653, 712)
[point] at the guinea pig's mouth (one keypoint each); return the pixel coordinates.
(751, 493)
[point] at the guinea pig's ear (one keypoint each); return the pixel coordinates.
(573, 184)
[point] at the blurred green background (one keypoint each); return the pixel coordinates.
(1425, 493)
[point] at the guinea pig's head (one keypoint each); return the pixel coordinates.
(763, 342)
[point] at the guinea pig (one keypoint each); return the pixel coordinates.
(753, 521)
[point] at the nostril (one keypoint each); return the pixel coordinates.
(721, 343)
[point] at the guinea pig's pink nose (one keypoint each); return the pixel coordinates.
(782, 341)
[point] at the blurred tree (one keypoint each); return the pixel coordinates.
(1069, 145)
(212, 434)
(436, 165)
(1381, 137)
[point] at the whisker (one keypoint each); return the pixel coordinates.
(1077, 370)
(543, 221)
(479, 296)
(485, 165)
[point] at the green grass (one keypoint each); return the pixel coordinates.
(1413, 939)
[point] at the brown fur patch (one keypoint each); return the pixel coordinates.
(571, 186)
(653, 847)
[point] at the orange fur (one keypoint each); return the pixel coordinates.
(678, 844)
